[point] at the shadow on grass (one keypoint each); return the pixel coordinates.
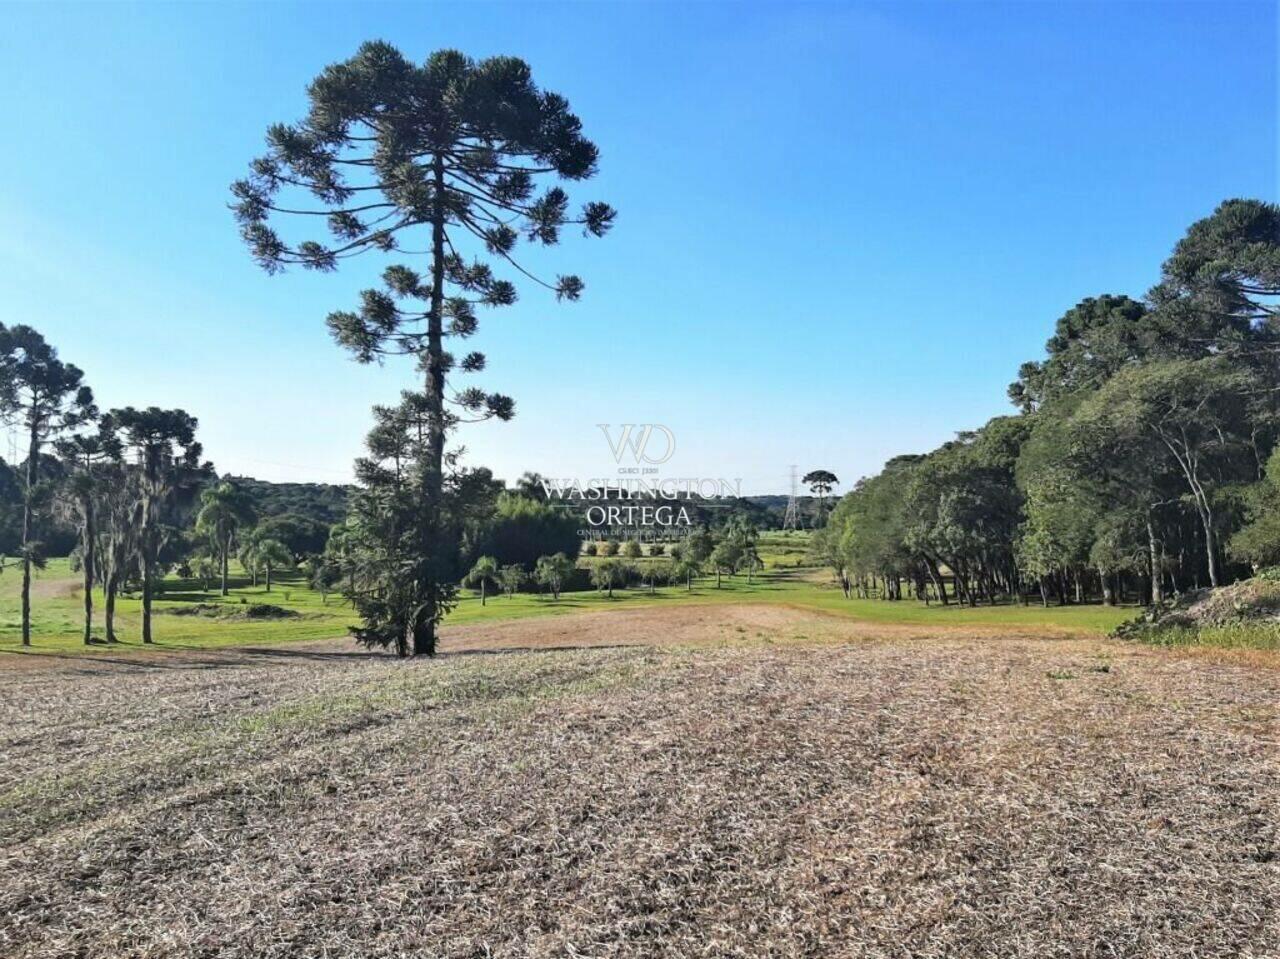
(135, 655)
(508, 650)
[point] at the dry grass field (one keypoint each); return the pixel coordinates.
(756, 781)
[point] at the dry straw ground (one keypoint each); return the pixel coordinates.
(788, 786)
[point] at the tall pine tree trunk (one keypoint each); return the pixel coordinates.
(148, 560)
(33, 455)
(109, 607)
(424, 633)
(87, 562)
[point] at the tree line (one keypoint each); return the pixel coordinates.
(1142, 459)
(126, 494)
(122, 477)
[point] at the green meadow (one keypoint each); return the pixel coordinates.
(188, 617)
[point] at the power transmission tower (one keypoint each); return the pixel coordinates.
(792, 518)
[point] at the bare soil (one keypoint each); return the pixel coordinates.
(716, 781)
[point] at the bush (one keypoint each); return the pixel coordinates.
(610, 575)
(589, 549)
(608, 548)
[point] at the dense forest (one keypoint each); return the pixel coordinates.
(1142, 459)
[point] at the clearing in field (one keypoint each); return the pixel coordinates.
(753, 781)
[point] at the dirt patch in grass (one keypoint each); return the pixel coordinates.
(232, 611)
(806, 792)
(690, 623)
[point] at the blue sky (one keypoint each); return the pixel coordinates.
(841, 227)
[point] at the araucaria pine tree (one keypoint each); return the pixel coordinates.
(93, 461)
(45, 398)
(425, 162)
(162, 445)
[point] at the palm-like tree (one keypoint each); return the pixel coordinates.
(263, 555)
(272, 555)
(485, 569)
(224, 510)
(686, 569)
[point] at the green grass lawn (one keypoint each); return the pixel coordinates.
(58, 613)
(804, 589)
(57, 607)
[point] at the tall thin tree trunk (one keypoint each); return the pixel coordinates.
(87, 562)
(1153, 556)
(226, 559)
(1210, 544)
(109, 607)
(1108, 598)
(148, 560)
(424, 640)
(936, 576)
(33, 455)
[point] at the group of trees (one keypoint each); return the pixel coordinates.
(229, 525)
(728, 551)
(1141, 460)
(122, 479)
(131, 489)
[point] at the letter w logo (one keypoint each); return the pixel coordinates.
(635, 437)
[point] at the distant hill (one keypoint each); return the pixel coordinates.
(326, 503)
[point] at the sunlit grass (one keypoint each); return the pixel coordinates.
(56, 625)
(1233, 636)
(57, 613)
